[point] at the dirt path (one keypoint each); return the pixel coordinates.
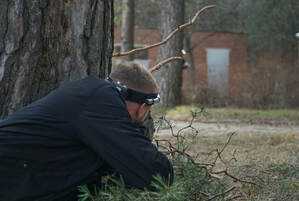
(224, 128)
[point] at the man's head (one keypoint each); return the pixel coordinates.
(137, 78)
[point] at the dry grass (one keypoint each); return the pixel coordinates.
(252, 149)
(271, 161)
(270, 116)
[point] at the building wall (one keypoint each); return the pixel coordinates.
(238, 68)
(262, 79)
(194, 88)
(274, 80)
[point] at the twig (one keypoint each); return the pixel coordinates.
(170, 126)
(194, 115)
(219, 152)
(233, 177)
(173, 150)
(203, 193)
(221, 194)
(179, 28)
(159, 65)
(234, 156)
(233, 197)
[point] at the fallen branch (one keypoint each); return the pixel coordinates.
(222, 194)
(179, 28)
(233, 177)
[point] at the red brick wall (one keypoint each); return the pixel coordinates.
(238, 68)
(274, 80)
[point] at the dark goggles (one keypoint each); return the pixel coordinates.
(135, 96)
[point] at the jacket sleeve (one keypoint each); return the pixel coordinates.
(105, 126)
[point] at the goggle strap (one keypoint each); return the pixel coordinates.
(136, 96)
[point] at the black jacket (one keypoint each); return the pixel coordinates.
(63, 140)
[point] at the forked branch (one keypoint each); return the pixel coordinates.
(179, 28)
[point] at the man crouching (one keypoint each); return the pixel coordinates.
(82, 129)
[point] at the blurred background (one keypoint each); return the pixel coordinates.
(240, 53)
(229, 93)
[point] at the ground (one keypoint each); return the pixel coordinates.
(264, 148)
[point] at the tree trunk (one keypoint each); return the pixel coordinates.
(44, 43)
(127, 27)
(189, 68)
(169, 77)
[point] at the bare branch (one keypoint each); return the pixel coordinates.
(179, 28)
(233, 177)
(172, 150)
(219, 152)
(194, 115)
(222, 194)
(169, 124)
(233, 197)
(159, 65)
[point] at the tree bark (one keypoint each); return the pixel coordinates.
(189, 68)
(44, 43)
(169, 77)
(127, 27)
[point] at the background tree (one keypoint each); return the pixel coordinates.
(271, 25)
(45, 43)
(127, 27)
(188, 65)
(170, 76)
(271, 28)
